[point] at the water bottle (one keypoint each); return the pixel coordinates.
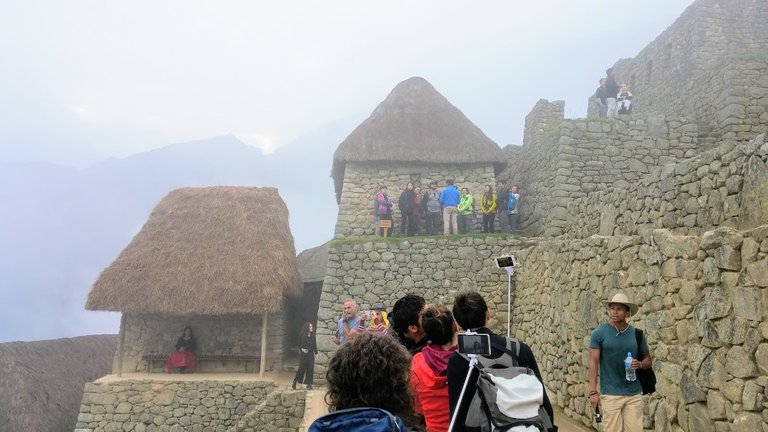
(630, 373)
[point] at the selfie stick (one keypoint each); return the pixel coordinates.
(472, 363)
(510, 270)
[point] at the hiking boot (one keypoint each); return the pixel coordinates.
(309, 386)
(293, 386)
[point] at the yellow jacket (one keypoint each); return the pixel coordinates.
(488, 207)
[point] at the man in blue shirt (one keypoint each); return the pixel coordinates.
(449, 199)
(348, 324)
(610, 342)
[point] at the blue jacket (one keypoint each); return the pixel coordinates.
(450, 196)
(359, 419)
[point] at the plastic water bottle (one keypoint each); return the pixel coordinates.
(630, 373)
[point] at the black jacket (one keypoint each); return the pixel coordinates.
(309, 343)
(457, 373)
(406, 201)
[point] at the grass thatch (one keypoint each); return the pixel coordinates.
(312, 263)
(415, 123)
(206, 251)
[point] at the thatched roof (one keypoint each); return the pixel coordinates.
(312, 263)
(415, 123)
(205, 251)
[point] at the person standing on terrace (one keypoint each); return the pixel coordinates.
(450, 198)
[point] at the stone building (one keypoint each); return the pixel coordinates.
(414, 135)
(220, 260)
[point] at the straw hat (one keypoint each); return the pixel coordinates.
(621, 298)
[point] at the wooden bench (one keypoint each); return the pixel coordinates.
(151, 359)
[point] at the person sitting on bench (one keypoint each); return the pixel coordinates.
(183, 358)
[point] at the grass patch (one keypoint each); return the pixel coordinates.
(398, 240)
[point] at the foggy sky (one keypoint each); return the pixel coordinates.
(83, 80)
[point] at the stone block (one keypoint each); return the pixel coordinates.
(727, 257)
(721, 236)
(698, 418)
(758, 272)
(740, 363)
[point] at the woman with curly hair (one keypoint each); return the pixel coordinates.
(368, 383)
(429, 381)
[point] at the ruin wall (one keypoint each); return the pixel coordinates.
(195, 406)
(725, 186)
(569, 160)
(704, 306)
(709, 65)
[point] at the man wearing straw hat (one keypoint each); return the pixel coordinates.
(608, 347)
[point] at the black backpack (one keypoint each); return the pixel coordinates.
(646, 376)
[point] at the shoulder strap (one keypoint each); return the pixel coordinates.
(639, 339)
(508, 349)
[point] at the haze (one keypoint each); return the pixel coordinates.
(90, 87)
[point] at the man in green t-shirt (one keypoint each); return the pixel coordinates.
(620, 398)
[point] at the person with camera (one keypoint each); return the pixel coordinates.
(471, 313)
(349, 323)
(428, 368)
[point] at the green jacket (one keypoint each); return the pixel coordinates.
(466, 205)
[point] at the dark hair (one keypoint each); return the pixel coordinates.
(304, 330)
(469, 309)
(382, 187)
(501, 181)
(371, 370)
(437, 322)
(449, 182)
(185, 330)
(465, 189)
(406, 312)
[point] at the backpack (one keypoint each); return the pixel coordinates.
(646, 376)
(508, 397)
(359, 420)
(512, 202)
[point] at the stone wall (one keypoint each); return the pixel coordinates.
(361, 182)
(222, 334)
(193, 406)
(385, 270)
(709, 66)
(725, 186)
(704, 306)
(581, 158)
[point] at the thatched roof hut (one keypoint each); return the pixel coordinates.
(414, 123)
(205, 251)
